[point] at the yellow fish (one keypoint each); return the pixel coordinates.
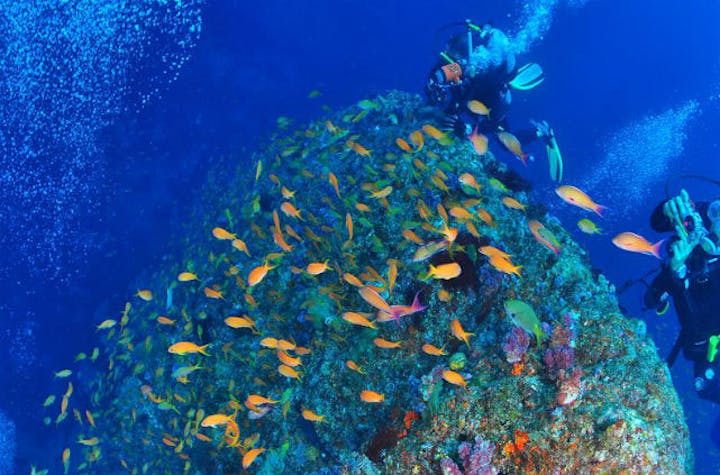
(186, 347)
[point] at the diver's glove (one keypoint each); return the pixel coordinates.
(689, 228)
(543, 130)
(458, 126)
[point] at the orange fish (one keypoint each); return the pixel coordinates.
(222, 234)
(513, 145)
(433, 350)
(288, 360)
(458, 332)
(544, 236)
(418, 139)
(186, 347)
(288, 372)
(374, 299)
(358, 319)
(371, 396)
(444, 271)
(403, 145)
(491, 251)
(309, 415)
(513, 203)
(349, 226)
(357, 148)
(334, 182)
(577, 197)
(286, 345)
(287, 194)
(410, 235)
(146, 295)
(187, 277)
(257, 400)
(460, 213)
(213, 294)
(362, 207)
(250, 456)
(258, 274)
(384, 193)
(444, 295)
(479, 142)
(434, 132)
(504, 265)
(354, 366)
(66, 460)
(477, 107)
(241, 322)
(317, 268)
(383, 343)
(289, 210)
(269, 342)
(454, 377)
(392, 275)
(468, 180)
(485, 217)
(428, 250)
(635, 243)
(352, 280)
(240, 245)
(279, 239)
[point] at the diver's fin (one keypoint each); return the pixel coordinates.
(527, 77)
(555, 160)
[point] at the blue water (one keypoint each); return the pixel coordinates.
(92, 192)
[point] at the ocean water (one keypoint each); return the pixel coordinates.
(114, 116)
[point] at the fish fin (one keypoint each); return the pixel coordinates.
(202, 349)
(600, 209)
(555, 160)
(655, 248)
(528, 77)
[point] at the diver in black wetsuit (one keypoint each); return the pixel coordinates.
(691, 276)
(480, 65)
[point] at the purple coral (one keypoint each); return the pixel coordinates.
(476, 459)
(560, 361)
(516, 344)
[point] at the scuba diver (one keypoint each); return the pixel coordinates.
(479, 66)
(691, 276)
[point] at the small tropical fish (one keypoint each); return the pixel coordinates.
(491, 251)
(404, 146)
(358, 319)
(468, 180)
(512, 203)
(288, 360)
(498, 185)
(477, 107)
(66, 460)
(213, 294)
(334, 182)
(185, 371)
(241, 322)
(187, 276)
(49, 400)
(459, 332)
(428, 250)
(269, 342)
(374, 299)
(460, 213)
(257, 400)
(289, 210)
(362, 207)
(635, 243)
(215, 420)
(105, 324)
(392, 275)
(454, 377)
(258, 274)
(91, 442)
(371, 396)
(352, 280)
(146, 295)
(433, 350)
(367, 104)
(485, 217)
(317, 268)
(314, 93)
(418, 139)
(309, 415)
(434, 132)
(354, 366)
(349, 226)
(63, 373)
(444, 295)
(383, 343)
(165, 321)
(250, 456)
(186, 347)
(504, 265)
(90, 418)
(524, 317)
(444, 271)
(513, 145)
(410, 235)
(357, 148)
(240, 245)
(258, 170)
(288, 372)
(383, 193)
(544, 236)
(577, 197)
(222, 234)
(479, 142)
(588, 227)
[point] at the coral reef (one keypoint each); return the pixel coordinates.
(318, 255)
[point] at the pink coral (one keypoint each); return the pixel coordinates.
(570, 387)
(476, 459)
(516, 344)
